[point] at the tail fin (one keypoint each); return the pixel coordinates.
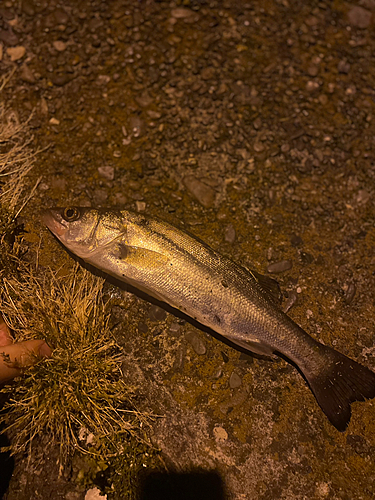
(341, 382)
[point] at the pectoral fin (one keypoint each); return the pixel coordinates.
(140, 257)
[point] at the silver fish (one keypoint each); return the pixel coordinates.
(241, 305)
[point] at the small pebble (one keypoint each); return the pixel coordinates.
(204, 194)
(175, 329)
(16, 53)
(235, 381)
(54, 121)
(296, 241)
(140, 206)
(8, 36)
(107, 172)
(156, 313)
(196, 342)
(181, 13)
(350, 293)
(220, 434)
(359, 17)
(230, 234)
(280, 267)
(59, 45)
(26, 74)
(142, 327)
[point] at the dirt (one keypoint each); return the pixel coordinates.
(251, 124)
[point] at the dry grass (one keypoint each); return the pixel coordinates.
(80, 389)
(16, 161)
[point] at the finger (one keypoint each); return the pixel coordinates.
(15, 357)
(5, 336)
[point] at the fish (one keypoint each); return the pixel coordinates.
(239, 304)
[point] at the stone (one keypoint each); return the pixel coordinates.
(26, 74)
(16, 53)
(108, 172)
(280, 267)
(230, 234)
(8, 37)
(203, 193)
(59, 45)
(196, 342)
(235, 381)
(359, 17)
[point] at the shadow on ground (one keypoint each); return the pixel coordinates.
(6, 466)
(196, 485)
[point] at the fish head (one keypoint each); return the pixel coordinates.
(84, 231)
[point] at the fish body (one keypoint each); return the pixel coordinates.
(241, 305)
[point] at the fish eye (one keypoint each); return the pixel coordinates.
(71, 214)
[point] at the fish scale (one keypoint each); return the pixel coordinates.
(241, 305)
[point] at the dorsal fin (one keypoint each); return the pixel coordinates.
(269, 286)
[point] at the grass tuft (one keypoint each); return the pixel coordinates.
(79, 391)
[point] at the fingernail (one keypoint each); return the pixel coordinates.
(45, 350)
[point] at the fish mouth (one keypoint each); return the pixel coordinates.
(52, 218)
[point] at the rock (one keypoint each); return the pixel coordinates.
(204, 194)
(28, 7)
(59, 45)
(363, 197)
(258, 147)
(107, 172)
(196, 342)
(220, 434)
(156, 313)
(144, 99)
(26, 74)
(120, 199)
(350, 293)
(230, 234)
(54, 121)
(61, 16)
(16, 53)
(100, 196)
(359, 17)
(61, 79)
(43, 106)
(296, 241)
(141, 206)
(181, 13)
(175, 329)
(280, 267)
(103, 80)
(8, 37)
(313, 70)
(343, 67)
(235, 381)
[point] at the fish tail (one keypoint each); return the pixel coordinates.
(340, 382)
